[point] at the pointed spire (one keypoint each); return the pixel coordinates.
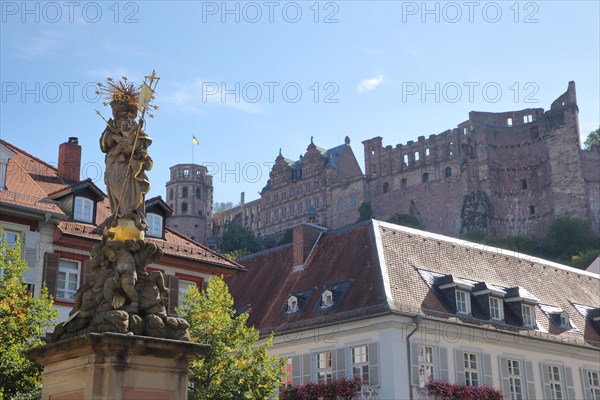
(347, 140)
(280, 151)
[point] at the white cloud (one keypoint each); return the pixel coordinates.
(193, 97)
(369, 84)
(38, 46)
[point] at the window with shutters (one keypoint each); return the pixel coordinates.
(67, 281)
(514, 379)
(471, 369)
(554, 378)
(11, 239)
(184, 287)
(287, 369)
(360, 362)
(593, 382)
(517, 378)
(426, 364)
(83, 209)
(324, 367)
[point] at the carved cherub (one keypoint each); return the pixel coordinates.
(124, 277)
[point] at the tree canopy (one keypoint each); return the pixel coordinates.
(365, 212)
(234, 367)
(236, 237)
(23, 319)
(593, 139)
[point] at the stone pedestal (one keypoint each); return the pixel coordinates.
(117, 367)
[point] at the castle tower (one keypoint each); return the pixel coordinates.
(190, 194)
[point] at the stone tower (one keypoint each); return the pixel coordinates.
(190, 195)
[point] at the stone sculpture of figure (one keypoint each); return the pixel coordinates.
(124, 278)
(126, 184)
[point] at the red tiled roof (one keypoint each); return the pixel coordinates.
(339, 256)
(30, 181)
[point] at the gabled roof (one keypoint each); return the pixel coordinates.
(340, 256)
(27, 182)
(395, 269)
(32, 184)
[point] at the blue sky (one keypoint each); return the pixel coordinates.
(248, 78)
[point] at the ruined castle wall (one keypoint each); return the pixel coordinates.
(426, 179)
(591, 174)
(519, 173)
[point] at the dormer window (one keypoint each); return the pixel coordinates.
(528, 315)
(327, 299)
(463, 302)
(564, 320)
(292, 304)
(83, 209)
(496, 309)
(155, 225)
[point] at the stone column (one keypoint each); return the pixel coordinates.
(116, 366)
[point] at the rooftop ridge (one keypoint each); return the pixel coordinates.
(482, 247)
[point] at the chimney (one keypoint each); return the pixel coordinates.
(304, 239)
(69, 159)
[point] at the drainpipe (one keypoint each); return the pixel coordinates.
(417, 321)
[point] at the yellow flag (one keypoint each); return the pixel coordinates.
(145, 95)
(194, 140)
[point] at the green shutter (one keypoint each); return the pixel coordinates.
(373, 352)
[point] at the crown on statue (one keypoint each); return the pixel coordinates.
(121, 90)
(127, 93)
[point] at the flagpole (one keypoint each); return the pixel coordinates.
(192, 149)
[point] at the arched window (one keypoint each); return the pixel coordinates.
(184, 192)
(448, 172)
(292, 304)
(184, 208)
(327, 299)
(186, 172)
(425, 177)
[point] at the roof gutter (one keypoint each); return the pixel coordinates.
(417, 319)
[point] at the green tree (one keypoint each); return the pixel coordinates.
(365, 212)
(23, 319)
(234, 367)
(223, 206)
(567, 237)
(593, 139)
(584, 259)
(236, 237)
(406, 220)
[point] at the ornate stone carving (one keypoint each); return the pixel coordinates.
(119, 295)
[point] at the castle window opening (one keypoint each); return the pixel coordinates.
(405, 159)
(416, 156)
(527, 118)
(427, 152)
(448, 172)
(184, 208)
(186, 172)
(184, 192)
(523, 184)
(386, 187)
(372, 152)
(198, 192)
(425, 177)
(509, 121)
(170, 194)
(531, 210)
(465, 130)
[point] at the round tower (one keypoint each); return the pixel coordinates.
(190, 195)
